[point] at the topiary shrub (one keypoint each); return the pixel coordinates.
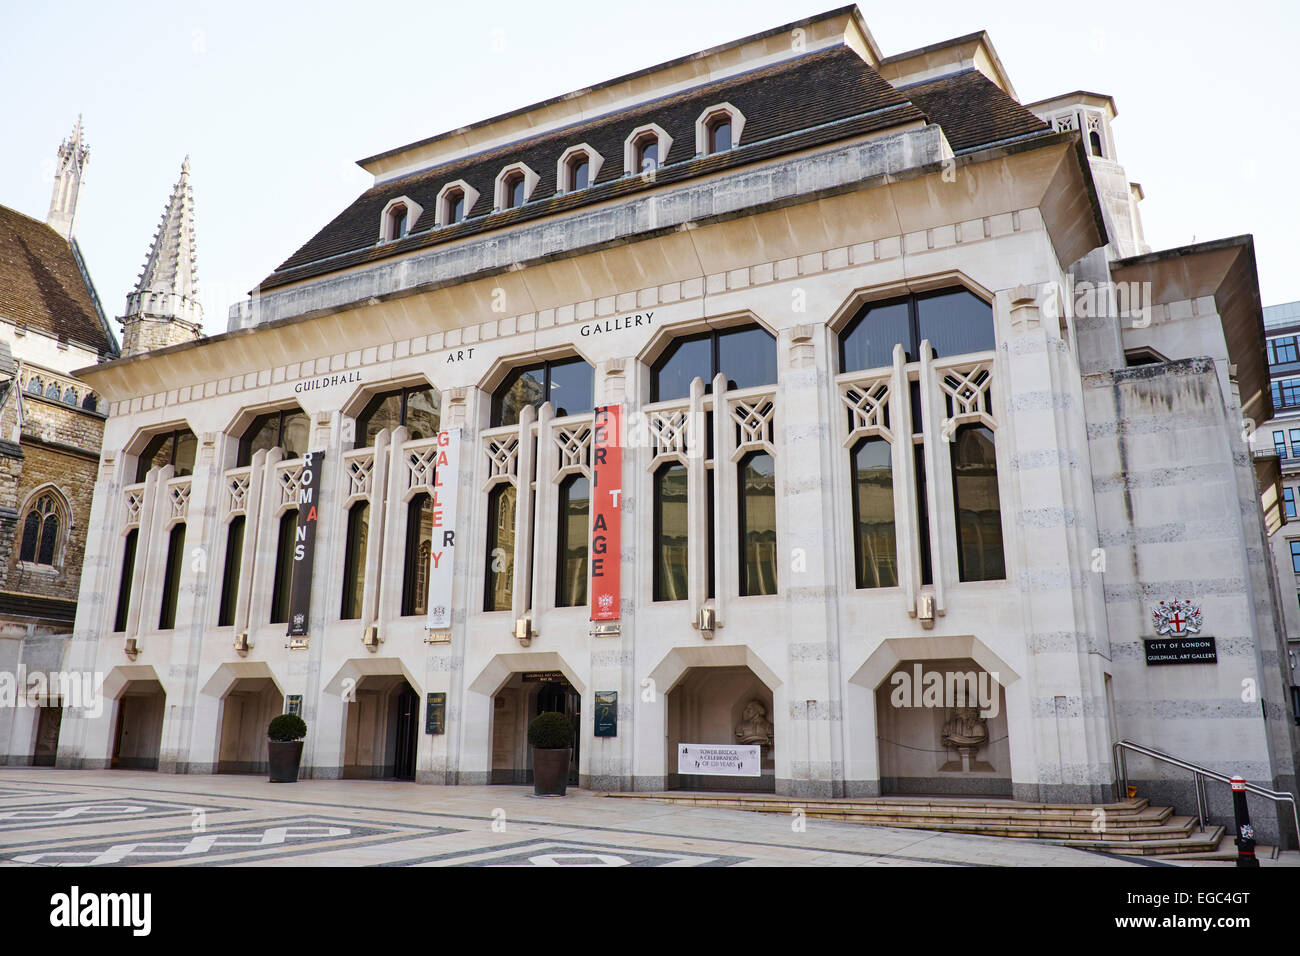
(286, 728)
(550, 731)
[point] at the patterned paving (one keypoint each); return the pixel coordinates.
(51, 818)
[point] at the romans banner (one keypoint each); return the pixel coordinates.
(442, 550)
(304, 542)
(606, 526)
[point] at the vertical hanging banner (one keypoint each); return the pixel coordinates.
(606, 525)
(304, 542)
(442, 550)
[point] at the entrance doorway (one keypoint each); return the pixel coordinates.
(47, 736)
(525, 696)
(721, 706)
(246, 711)
(137, 738)
(382, 732)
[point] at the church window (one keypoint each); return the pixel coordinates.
(41, 531)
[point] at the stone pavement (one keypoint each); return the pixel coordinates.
(52, 817)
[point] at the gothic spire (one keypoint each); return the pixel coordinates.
(74, 155)
(165, 297)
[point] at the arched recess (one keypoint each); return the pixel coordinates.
(502, 667)
(359, 667)
(894, 651)
(669, 671)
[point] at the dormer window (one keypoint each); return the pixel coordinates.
(515, 184)
(579, 172)
(454, 203)
(647, 153)
(718, 129)
(397, 222)
(454, 207)
(397, 219)
(577, 168)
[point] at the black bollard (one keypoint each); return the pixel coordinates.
(1245, 832)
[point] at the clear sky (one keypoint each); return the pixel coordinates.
(274, 102)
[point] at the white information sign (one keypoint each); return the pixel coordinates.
(732, 760)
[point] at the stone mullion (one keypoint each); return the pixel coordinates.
(267, 542)
(253, 530)
(519, 593)
(396, 511)
(377, 525)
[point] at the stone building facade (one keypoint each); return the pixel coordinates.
(875, 346)
(51, 426)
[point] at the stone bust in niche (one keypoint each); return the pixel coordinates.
(754, 727)
(965, 728)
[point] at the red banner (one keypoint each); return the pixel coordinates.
(606, 526)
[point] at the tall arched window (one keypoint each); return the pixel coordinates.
(670, 533)
(419, 543)
(125, 581)
(417, 407)
(498, 577)
(453, 207)
(975, 499)
(719, 129)
(396, 222)
(875, 549)
(230, 571)
(288, 428)
(566, 383)
(955, 321)
(579, 172)
(282, 584)
(170, 448)
(746, 354)
(514, 190)
(41, 531)
(172, 577)
(646, 153)
(757, 513)
(354, 560)
(572, 539)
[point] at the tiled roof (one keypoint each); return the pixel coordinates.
(973, 110)
(41, 285)
(810, 101)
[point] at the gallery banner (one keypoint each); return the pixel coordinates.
(304, 542)
(606, 526)
(741, 760)
(442, 549)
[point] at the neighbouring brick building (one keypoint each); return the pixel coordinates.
(52, 424)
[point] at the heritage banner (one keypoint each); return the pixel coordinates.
(304, 542)
(606, 525)
(741, 760)
(442, 550)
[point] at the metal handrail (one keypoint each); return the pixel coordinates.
(1200, 775)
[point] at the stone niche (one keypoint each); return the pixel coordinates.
(706, 707)
(942, 748)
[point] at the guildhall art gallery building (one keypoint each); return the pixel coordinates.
(743, 400)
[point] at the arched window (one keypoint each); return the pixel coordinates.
(419, 542)
(498, 577)
(1094, 141)
(52, 391)
(579, 172)
(34, 386)
(41, 529)
(282, 584)
(172, 577)
(453, 207)
(975, 499)
(719, 130)
(170, 448)
(646, 153)
(757, 514)
(567, 383)
(128, 576)
(354, 560)
(70, 396)
(670, 532)
(230, 571)
(90, 402)
(954, 321)
(745, 354)
(573, 540)
(513, 195)
(288, 429)
(397, 222)
(418, 407)
(875, 548)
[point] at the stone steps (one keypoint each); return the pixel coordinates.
(1132, 827)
